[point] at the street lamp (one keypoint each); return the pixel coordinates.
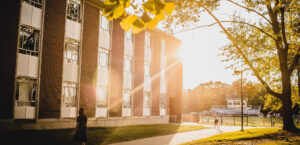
(242, 108)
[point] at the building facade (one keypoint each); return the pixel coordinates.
(60, 55)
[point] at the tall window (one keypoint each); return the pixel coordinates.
(103, 61)
(69, 93)
(163, 98)
(102, 86)
(29, 41)
(147, 70)
(71, 59)
(73, 10)
(71, 54)
(26, 90)
(128, 69)
(104, 36)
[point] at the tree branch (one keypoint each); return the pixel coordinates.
(227, 22)
(295, 62)
(247, 61)
(251, 10)
(286, 45)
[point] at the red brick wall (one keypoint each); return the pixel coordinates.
(89, 59)
(174, 79)
(155, 74)
(138, 74)
(9, 28)
(52, 59)
(117, 58)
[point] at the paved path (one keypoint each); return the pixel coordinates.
(183, 137)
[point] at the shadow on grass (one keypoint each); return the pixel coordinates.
(99, 135)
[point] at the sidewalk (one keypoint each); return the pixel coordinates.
(183, 137)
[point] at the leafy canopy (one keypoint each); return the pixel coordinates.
(137, 15)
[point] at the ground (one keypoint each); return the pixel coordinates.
(95, 135)
(255, 121)
(258, 136)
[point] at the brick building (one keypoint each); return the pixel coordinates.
(60, 55)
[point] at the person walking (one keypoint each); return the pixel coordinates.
(216, 120)
(80, 136)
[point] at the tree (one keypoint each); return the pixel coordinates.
(269, 47)
(136, 15)
(277, 34)
(204, 96)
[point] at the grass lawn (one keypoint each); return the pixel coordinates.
(95, 135)
(255, 121)
(258, 136)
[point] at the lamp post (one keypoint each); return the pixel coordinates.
(242, 107)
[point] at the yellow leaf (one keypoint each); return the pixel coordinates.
(119, 11)
(169, 7)
(136, 29)
(127, 4)
(160, 16)
(131, 18)
(125, 25)
(108, 2)
(152, 24)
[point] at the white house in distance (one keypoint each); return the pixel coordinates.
(233, 106)
(235, 102)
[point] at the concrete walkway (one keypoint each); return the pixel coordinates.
(183, 137)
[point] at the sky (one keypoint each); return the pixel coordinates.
(200, 49)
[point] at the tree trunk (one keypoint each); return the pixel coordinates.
(286, 98)
(298, 71)
(288, 122)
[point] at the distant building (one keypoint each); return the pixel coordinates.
(234, 106)
(57, 56)
(234, 102)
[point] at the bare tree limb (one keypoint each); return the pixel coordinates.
(227, 22)
(247, 61)
(251, 10)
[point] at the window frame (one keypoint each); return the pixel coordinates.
(99, 103)
(35, 3)
(128, 41)
(33, 34)
(31, 99)
(75, 16)
(72, 48)
(66, 99)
